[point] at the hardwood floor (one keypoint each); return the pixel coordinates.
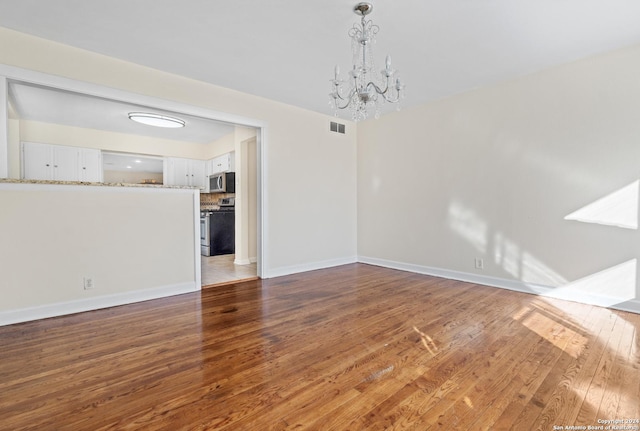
(350, 348)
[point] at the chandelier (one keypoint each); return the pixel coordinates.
(364, 90)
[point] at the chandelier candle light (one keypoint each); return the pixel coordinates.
(365, 90)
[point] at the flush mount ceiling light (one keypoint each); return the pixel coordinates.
(365, 90)
(156, 120)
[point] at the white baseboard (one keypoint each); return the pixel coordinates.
(76, 306)
(79, 305)
(295, 269)
(632, 305)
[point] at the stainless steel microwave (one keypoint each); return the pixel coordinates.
(224, 182)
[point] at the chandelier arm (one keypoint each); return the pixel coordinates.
(392, 100)
(348, 99)
(345, 106)
(384, 93)
(375, 87)
(378, 89)
(337, 94)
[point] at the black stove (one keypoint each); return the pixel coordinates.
(217, 229)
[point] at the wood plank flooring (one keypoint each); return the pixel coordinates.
(350, 348)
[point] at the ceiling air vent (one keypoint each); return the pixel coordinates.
(337, 127)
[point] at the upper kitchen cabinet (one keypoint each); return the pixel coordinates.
(223, 163)
(184, 172)
(60, 163)
(90, 165)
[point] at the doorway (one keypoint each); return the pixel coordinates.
(242, 263)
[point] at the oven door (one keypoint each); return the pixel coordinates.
(205, 236)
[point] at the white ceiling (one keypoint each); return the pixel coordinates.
(285, 50)
(30, 102)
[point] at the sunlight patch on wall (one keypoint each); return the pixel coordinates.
(608, 287)
(619, 209)
(376, 183)
(523, 265)
(506, 254)
(536, 271)
(604, 288)
(469, 225)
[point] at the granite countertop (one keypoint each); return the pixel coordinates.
(84, 183)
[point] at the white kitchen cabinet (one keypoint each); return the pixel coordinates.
(49, 162)
(176, 172)
(60, 163)
(37, 161)
(184, 172)
(90, 167)
(198, 178)
(223, 163)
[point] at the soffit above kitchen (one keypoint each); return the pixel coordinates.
(55, 106)
(286, 50)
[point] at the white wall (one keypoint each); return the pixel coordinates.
(310, 216)
(495, 173)
(225, 144)
(135, 243)
(5, 111)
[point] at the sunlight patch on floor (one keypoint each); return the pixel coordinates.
(427, 342)
(554, 330)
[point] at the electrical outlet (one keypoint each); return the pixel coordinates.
(479, 263)
(87, 282)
